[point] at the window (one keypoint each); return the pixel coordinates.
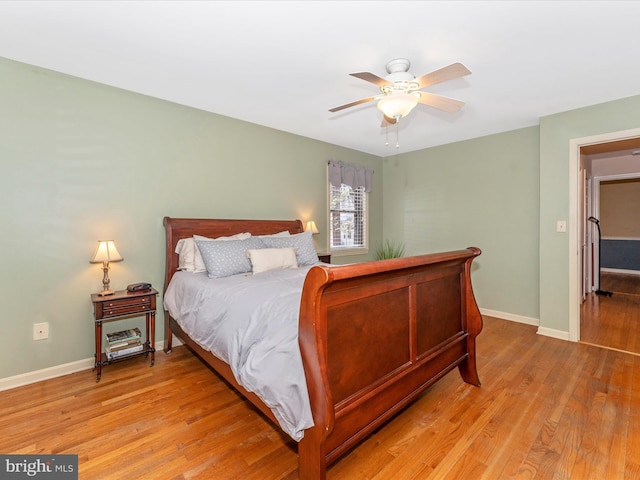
(349, 187)
(348, 219)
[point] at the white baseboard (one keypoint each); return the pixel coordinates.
(619, 270)
(550, 332)
(45, 374)
(510, 316)
(60, 370)
(547, 332)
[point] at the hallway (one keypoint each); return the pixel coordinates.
(613, 322)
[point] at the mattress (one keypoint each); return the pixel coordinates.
(251, 323)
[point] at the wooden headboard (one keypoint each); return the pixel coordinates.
(177, 228)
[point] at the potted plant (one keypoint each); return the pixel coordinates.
(389, 249)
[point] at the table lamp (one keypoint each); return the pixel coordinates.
(105, 253)
(311, 225)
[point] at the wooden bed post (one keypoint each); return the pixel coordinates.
(312, 462)
(168, 334)
(312, 455)
(171, 264)
(468, 369)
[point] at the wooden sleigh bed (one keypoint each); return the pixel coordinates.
(373, 336)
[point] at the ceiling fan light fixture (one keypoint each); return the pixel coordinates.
(397, 105)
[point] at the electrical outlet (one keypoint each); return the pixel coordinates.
(41, 331)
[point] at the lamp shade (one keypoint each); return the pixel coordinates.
(396, 105)
(311, 225)
(106, 252)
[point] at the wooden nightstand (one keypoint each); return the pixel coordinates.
(124, 304)
(324, 257)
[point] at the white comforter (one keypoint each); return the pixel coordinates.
(251, 323)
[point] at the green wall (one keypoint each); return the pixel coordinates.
(481, 192)
(556, 133)
(83, 161)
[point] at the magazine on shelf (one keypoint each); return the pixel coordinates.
(111, 354)
(125, 336)
(122, 346)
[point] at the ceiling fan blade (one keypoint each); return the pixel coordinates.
(352, 104)
(386, 121)
(455, 70)
(447, 104)
(370, 77)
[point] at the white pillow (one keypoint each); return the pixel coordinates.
(189, 257)
(266, 259)
(185, 248)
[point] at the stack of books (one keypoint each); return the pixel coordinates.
(123, 343)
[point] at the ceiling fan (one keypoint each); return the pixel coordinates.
(401, 91)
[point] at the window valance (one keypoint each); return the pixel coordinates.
(353, 175)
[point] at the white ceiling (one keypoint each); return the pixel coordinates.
(284, 64)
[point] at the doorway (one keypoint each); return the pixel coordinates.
(604, 314)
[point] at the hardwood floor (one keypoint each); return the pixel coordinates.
(620, 283)
(547, 409)
(613, 322)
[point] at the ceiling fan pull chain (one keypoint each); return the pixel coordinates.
(397, 133)
(386, 134)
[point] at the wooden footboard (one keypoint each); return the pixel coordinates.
(373, 336)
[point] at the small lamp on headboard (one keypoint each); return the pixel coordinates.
(311, 225)
(105, 253)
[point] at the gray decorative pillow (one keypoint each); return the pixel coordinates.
(301, 242)
(223, 259)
